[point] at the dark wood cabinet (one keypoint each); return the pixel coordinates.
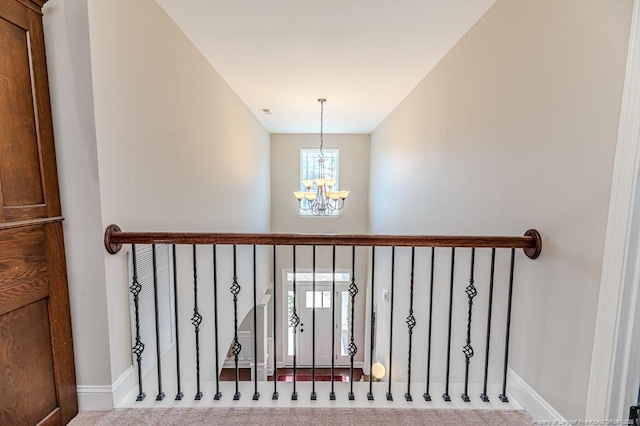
(37, 374)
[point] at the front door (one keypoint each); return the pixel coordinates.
(302, 341)
(322, 305)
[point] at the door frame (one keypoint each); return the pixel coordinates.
(615, 362)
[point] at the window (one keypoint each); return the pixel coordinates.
(320, 277)
(323, 299)
(310, 169)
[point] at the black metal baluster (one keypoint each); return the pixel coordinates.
(196, 320)
(468, 349)
(372, 325)
(160, 395)
(484, 396)
(503, 395)
(236, 347)
(445, 395)
(218, 394)
(179, 394)
(275, 395)
(256, 394)
(411, 323)
(426, 395)
(332, 394)
(353, 290)
(313, 330)
(295, 321)
(138, 348)
(393, 264)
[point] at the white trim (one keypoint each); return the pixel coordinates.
(92, 398)
(531, 401)
(270, 356)
(105, 398)
(611, 347)
(123, 385)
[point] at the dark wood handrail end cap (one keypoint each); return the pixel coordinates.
(533, 252)
(111, 247)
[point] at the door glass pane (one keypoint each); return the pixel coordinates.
(290, 338)
(344, 324)
(320, 277)
(326, 299)
(323, 299)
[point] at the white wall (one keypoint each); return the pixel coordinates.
(173, 148)
(177, 148)
(353, 219)
(69, 61)
(516, 128)
(285, 178)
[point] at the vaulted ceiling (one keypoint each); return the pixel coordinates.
(364, 56)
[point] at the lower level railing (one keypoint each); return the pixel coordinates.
(384, 269)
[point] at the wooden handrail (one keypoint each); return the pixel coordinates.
(114, 238)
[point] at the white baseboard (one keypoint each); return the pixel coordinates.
(241, 364)
(123, 385)
(99, 398)
(530, 400)
(356, 364)
(105, 398)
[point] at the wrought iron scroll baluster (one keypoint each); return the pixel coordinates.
(160, 395)
(294, 321)
(372, 325)
(411, 323)
(138, 347)
(353, 291)
(236, 346)
(426, 395)
(484, 397)
(196, 320)
(445, 395)
(218, 394)
(393, 265)
(503, 396)
(275, 395)
(256, 394)
(634, 412)
(468, 349)
(179, 394)
(313, 330)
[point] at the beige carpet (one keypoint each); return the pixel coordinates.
(300, 416)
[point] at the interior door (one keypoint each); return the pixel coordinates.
(36, 349)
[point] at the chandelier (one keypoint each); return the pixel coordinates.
(321, 198)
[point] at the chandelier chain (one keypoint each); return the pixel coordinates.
(322, 101)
